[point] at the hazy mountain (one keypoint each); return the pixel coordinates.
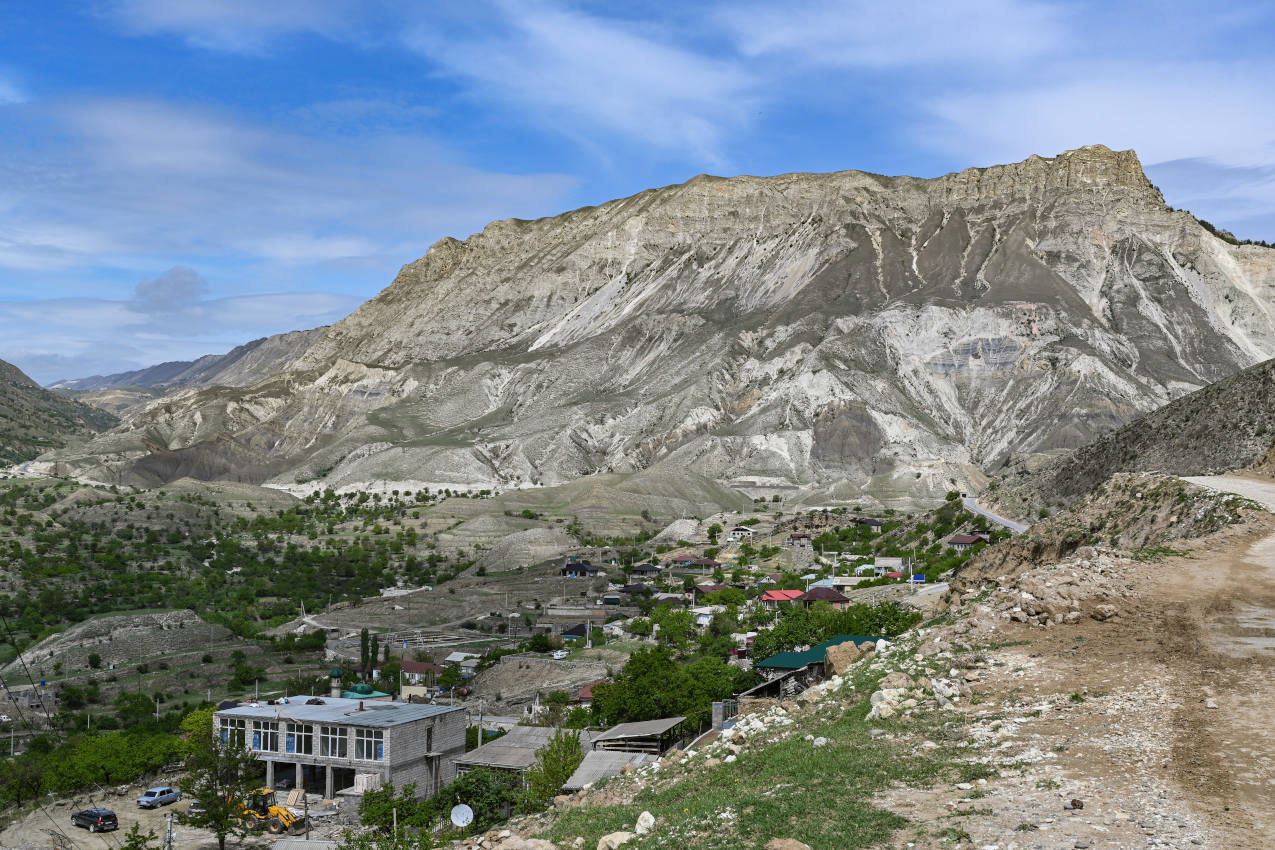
(887, 333)
(242, 365)
(33, 420)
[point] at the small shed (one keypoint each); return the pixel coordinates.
(647, 736)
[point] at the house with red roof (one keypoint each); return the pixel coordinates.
(772, 598)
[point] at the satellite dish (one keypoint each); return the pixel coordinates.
(462, 815)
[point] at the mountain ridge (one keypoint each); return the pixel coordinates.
(900, 334)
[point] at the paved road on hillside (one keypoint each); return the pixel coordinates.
(973, 505)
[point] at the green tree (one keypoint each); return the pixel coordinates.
(219, 775)
(135, 840)
(133, 708)
(450, 677)
(95, 661)
(21, 779)
(555, 762)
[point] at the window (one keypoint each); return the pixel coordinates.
(232, 730)
(369, 744)
(265, 736)
(299, 739)
(332, 741)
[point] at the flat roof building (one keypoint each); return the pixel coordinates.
(328, 741)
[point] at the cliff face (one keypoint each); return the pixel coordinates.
(894, 333)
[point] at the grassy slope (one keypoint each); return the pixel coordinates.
(787, 788)
(33, 420)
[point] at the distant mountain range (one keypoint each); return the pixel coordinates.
(34, 420)
(889, 335)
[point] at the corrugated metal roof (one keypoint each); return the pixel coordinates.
(641, 729)
(793, 660)
(517, 749)
(337, 710)
(599, 764)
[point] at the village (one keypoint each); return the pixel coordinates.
(425, 707)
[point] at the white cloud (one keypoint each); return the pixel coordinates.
(124, 183)
(245, 26)
(1165, 111)
(595, 78)
(870, 34)
(10, 91)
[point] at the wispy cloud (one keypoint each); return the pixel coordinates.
(242, 26)
(868, 34)
(122, 179)
(589, 76)
(10, 91)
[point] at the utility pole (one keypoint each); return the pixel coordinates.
(168, 833)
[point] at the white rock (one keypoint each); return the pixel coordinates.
(645, 823)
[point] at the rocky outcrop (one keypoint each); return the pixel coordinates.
(892, 333)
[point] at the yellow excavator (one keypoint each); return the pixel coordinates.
(262, 811)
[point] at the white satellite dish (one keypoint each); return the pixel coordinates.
(462, 815)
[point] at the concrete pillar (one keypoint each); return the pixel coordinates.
(269, 773)
(300, 776)
(329, 791)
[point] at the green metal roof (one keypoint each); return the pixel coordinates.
(794, 660)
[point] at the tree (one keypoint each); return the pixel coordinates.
(95, 661)
(714, 530)
(135, 840)
(21, 779)
(220, 774)
(450, 677)
(555, 762)
(133, 708)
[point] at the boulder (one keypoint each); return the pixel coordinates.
(841, 657)
(1104, 612)
(786, 844)
(645, 823)
(615, 839)
(897, 679)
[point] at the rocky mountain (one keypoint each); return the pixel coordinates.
(33, 420)
(885, 334)
(1227, 425)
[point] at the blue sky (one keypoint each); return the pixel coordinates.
(180, 177)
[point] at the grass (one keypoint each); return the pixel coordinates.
(1157, 553)
(783, 789)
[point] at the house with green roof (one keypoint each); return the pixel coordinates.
(783, 662)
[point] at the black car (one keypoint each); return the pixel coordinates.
(96, 820)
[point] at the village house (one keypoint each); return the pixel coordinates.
(772, 598)
(644, 571)
(965, 542)
(885, 566)
(798, 540)
(418, 679)
(324, 743)
(823, 594)
(581, 569)
(738, 533)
